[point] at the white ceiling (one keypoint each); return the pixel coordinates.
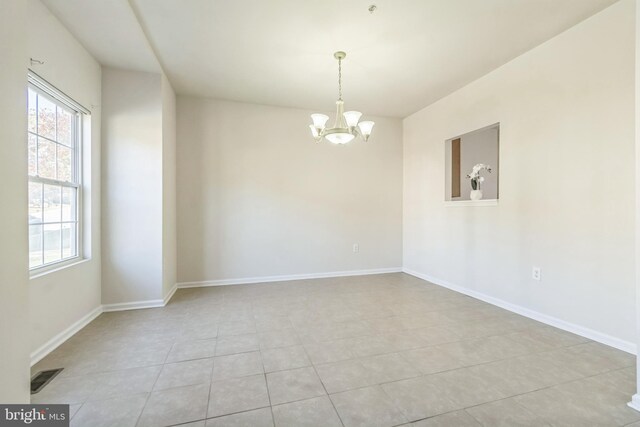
(404, 56)
(109, 30)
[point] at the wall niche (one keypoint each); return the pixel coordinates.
(471, 166)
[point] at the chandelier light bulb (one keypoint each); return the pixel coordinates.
(319, 120)
(314, 131)
(352, 118)
(340, 138)
(365, 128)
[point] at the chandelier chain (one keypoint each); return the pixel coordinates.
(340, 79)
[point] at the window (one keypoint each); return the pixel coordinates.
(54, 145)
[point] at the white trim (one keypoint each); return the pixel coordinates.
(635, 402)
(169, 295)
(285, 278)
(133, 305)
(56, 266)
(594, 335)
(462, 203)
(57, 340)
(137, 305)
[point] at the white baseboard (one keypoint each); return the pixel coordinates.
(56, 341)
(600, 337)
(635, 402)
(133, 305)
(169, 295)
(285, 278)
(59, 339)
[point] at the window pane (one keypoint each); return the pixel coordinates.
(52, 243)
(35, 245)
(35, 203)
(64, 163)
(46, 117)
(31, 105)
(68, 204)
(69, 240)
(46, 158)
(65, 126)
(52, 203)
(33, 155)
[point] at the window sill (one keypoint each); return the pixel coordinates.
(462, 203)
(43, 271)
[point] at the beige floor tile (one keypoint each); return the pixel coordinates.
(175, 406)
(256, 418)
(436, 335)
(124, 382)
(328, 352)
(452, 419)
(237, 395)
(623, 380)
(238, 327)
(237, 344)
(346, 375)
(237, 365)
(73, 409)
(430, 360)
(315, 412)
(467, 388)
(385, 324)
(420, 398)
(368, 337)
(389, 367)
(371, 346)
(284, 358)
(483, 350)
(186, 373)
(582, 402)
(66, 390)
(292, 385)
(273, 323)
(278, 338)
(506, 413)
(524, 374)
(121, 412)
(190, 350)
(367, 407)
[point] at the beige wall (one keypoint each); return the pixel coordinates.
(59, 299)
(14, 308)
(139, 150)
(566, 113)
(132, 186)
(636, 398)
(169, 236)
(258, 197)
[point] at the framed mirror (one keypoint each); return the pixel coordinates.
(472, 169)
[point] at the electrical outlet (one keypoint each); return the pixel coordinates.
(356, 247)
(536, 273)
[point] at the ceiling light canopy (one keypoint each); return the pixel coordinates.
(347, 125)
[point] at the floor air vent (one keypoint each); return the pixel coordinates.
(43, 378)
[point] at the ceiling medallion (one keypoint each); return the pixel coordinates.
(346, 126)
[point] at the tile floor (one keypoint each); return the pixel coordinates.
(382, 350)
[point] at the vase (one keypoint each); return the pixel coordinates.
(476, 194)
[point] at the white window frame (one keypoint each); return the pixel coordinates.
(44, 88)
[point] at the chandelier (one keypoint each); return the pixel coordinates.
(346, 126)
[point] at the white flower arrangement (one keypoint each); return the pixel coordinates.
(474, 176)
